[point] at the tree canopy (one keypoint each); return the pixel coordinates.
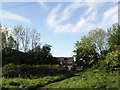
(22, 46)
(99, 45)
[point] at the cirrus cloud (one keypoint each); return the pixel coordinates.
(9, 15)
(59, 15)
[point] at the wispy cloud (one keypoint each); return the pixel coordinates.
(111, 13)
(85, 23)
(51, 19)
(43, 5)
(69, 10)
(110, 17)
(56, 23)
(9, 15)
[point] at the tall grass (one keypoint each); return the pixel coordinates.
(88, 79)
(27, 82)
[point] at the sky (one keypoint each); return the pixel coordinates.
(60, 24)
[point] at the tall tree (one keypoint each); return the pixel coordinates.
(42, 55)
(35, 39)
(25, 39)
(114, 37)
(17, 31)
(91, 47)
(85, 50)
(99, 38)
(7, 39)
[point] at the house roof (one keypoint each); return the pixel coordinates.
(65, 58)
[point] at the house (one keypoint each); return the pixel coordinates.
(66, 62)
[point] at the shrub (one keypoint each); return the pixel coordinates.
(112, 59)
(11, 70)
(24, 70)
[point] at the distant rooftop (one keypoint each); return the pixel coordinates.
(65, 58)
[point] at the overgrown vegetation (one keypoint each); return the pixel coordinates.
(98, 53)
(27, 82)
(23, 46)
(28, 71)
(100, 49)
(89, 79)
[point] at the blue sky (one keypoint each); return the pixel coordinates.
(60, 24)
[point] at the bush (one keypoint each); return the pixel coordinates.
(28, 83)
(11, 70)
(112, 59)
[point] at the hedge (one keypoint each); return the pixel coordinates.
(24, 70)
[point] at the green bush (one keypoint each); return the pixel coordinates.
(110, 63)
(28, 83)
(24, 70)
(112, 59)
(11, 70)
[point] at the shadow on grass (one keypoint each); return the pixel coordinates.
(39, 86)
(61, 79)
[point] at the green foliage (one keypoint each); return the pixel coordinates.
(91, 48)
(28, 83)
(17, 31)
(42, 55)
(85, 50)
(99, 49)
(99, 39)
(24, 39)
(11, 70)
(88, 79)
(110, 63)
(100, 65)
(15, 57)
(114, 35)
(7, 40)
(112, 59)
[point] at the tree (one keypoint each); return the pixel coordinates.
(25, 39)
(28, 41)
(91, 47)
(4, 41)
(17, 31)
(114, 37)
(99, 39)
(85, 50)
(46, 55)
(42, 55)
(7, 39)
(35, 39)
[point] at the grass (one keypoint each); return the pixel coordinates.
(27, 82)
(88, 79)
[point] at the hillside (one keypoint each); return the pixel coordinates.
(89, 79)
